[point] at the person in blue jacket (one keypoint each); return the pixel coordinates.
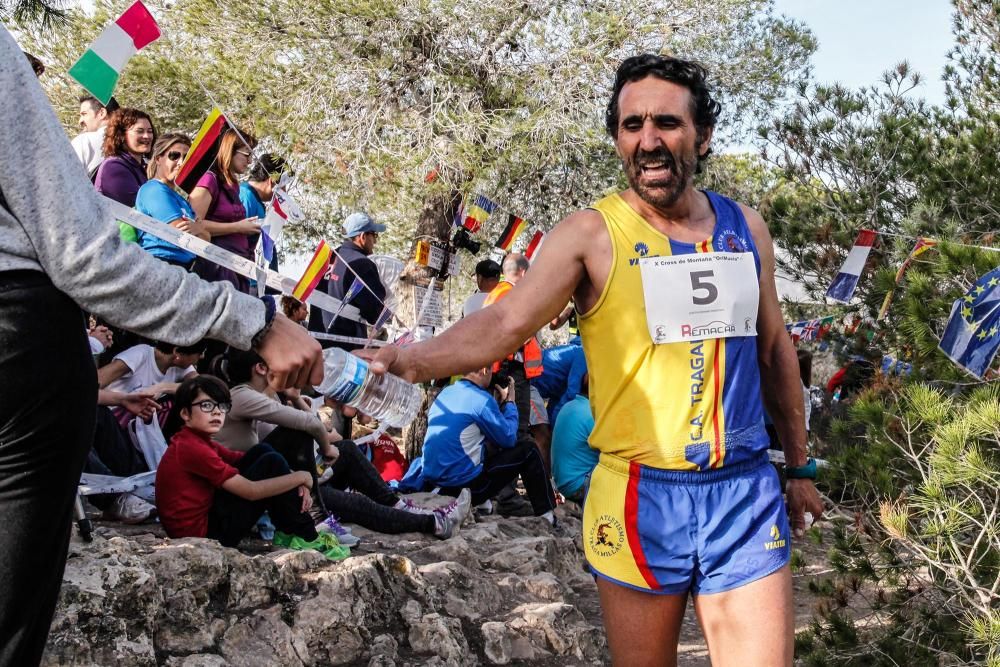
(471, 442)
(564, 367)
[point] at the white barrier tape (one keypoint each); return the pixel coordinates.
(222, 257)
(346, 339)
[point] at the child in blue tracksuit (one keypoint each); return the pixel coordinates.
(471, 442)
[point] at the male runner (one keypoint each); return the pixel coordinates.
(681, 324)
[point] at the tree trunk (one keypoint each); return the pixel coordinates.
(435, 222)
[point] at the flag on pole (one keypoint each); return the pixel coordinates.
(282, 210)
(99, 67)
(314, 272)
(515, 226)
(972, 336)
(478, 213)
(843, 286)
(534, 244)
(204, 149)
(383, 317)
(922, 246)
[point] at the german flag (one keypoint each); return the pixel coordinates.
(203, 152)
(515, 226)
(317, 266)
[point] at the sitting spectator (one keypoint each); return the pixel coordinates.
(206, 490)
(471, 442)
(112, 453)
(294, 309)
(159, 370)
(563, 367)
(216, 202)
(128, 139)
(573, 460)
(159, 199)
(293, 432)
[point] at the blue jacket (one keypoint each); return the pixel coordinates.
(460, 422)
(559, 383)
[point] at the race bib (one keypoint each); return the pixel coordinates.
(700, 296)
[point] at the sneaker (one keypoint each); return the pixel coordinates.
(344, 536)
(449, 518)
(408, 505)
(515, 505)
(485, 508)
(325, 543)
(130, 509)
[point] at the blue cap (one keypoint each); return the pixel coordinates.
(359, 223)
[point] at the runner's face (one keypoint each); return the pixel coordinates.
(658, 140)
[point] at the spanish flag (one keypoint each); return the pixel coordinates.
(515, 226)
(317, 266)
(203, 152)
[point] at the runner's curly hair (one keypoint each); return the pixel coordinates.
(685, 73)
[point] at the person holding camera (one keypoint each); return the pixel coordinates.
(472, 443)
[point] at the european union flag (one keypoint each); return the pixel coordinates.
(972, 336)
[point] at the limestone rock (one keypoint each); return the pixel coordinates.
(496, 642)
(107, 608)
(442, 636)
(203, 660)
(465, 595)
(559, 627)
(262, 639)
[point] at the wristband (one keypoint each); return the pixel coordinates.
(270, 310)
(808, 471)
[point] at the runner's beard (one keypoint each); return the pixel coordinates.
(664, 192)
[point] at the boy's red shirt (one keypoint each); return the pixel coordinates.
(191, 469)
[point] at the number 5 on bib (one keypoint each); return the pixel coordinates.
(700, 296)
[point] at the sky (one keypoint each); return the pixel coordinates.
(860, 39)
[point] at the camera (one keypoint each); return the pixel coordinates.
(463, 240)
(500, 379)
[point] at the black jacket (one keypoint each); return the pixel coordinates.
(368, 301)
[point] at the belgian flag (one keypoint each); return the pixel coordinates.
(515, 226)
(203, 152)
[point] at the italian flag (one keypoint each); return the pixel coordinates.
(99, 67)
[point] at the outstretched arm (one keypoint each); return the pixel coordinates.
(492, 333)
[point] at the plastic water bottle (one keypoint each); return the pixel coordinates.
(387, 398)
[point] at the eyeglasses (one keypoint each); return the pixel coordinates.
(175, 155)
(210, 406)
(244, 154)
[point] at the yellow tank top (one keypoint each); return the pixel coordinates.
(690, 405)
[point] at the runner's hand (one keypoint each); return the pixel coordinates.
(293, 357)
(390, 359)
(802, 497)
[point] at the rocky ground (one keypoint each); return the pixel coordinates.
(503, 591)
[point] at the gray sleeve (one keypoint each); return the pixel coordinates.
(57, 223)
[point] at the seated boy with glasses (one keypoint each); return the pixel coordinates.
(206, 490)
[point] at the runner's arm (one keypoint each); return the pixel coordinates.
(779, 366)
(496, 331)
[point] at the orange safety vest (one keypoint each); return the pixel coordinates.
(531, 350)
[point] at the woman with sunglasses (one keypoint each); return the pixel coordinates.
(216, 202)
(159, 199)
(128, 138)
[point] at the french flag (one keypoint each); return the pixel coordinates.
(843, 286)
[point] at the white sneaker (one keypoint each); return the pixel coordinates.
(129, 509)
(342, 532)
(449, 518)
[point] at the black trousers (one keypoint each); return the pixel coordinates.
(232, 517)
(502, 467)
(111, 454)
(370, 504)
(522, 396)
(47, 401)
